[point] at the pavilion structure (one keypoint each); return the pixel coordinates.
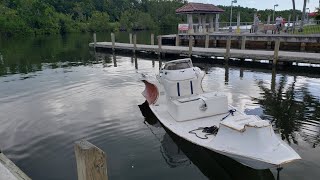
(202, 11)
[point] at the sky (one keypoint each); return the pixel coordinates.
(264, 4)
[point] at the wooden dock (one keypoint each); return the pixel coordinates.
(275, 56)
(9, 171)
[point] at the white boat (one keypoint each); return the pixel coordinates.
(177, 99)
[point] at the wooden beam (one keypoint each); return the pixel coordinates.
(91, 161)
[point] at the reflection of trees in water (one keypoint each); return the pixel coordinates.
(25, 55)
(291, 110)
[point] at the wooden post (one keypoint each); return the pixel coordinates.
(152, 39)
(276, 52)
(228, 46)
(159, 45)
(215, 43)
(113, 39)
(243, 42)
(177, 40)
(130, 38)
(91, 161)
(94, 40)
(134, 42)
(303, 46)
(190, 45)
(207, 41)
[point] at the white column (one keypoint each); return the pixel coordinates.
(204, 22)
(269, 17)
(217, 23)
(211, 30)
(190, 22)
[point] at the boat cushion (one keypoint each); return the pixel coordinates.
(239, 122)
(199, 106)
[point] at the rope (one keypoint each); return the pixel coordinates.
(213, 130)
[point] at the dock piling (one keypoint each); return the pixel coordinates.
(91, 161)
(177, 40)
(134, 43)
(243, 42)
(207, 41)
(113, 39)
(152, 39)
(228, 46)
(190, 45)
(159, 45)
(95, 39)
(276, 52)
(130, 38)
(303, 46)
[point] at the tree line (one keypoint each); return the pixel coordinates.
(61, 16)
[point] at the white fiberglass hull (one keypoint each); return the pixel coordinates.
(177, 99)
(277, 156)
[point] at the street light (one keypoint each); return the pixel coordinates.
(307, 14)
(274, 9)
(234, 1)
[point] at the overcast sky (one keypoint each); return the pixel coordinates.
(264, 4)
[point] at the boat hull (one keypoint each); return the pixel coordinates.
(251, 162)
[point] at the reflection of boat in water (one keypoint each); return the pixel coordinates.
(178, 152)
(206, 119)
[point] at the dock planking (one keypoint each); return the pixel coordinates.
(283, 56)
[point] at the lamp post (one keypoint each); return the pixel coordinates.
(307, 14)
(274, 9)
(234, 1)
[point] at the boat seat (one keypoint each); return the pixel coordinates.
(239, 122)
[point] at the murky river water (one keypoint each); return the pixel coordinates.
(54, 91)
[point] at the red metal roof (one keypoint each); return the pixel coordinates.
(313, 14)
(191, 8)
